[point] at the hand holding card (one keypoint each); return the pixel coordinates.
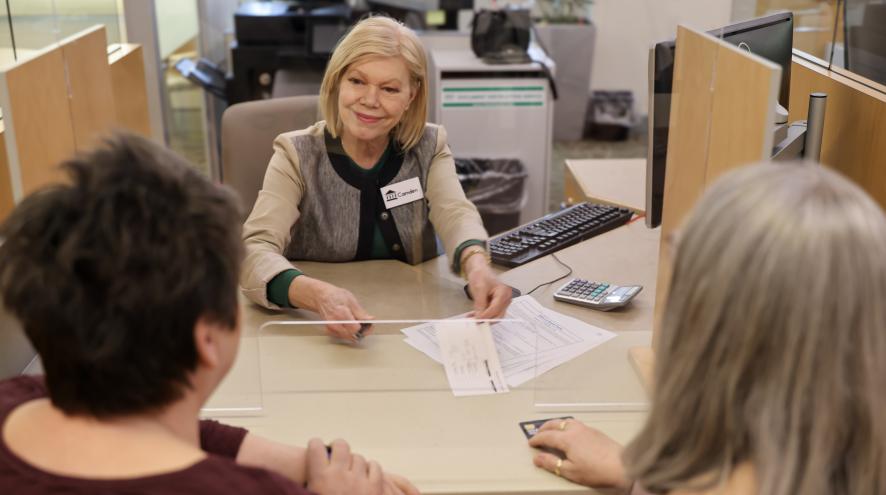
(590, 457)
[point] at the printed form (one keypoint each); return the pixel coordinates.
(535, 341)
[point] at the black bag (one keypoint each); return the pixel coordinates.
(501, 36)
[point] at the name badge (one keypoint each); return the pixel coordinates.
(402, 192)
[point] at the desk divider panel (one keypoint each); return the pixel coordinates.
(89, 83)
(6, 201)
(36, 112)
(130, 94)
(61, 100)
(722, 116)
(854, 138)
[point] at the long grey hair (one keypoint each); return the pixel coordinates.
(773, 344)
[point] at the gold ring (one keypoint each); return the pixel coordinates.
(558, 466)
(562, 425)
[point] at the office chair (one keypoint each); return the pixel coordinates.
(247, 135)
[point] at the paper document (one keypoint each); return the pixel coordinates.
(541, 341)
(470, 359)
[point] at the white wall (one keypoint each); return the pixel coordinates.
(626, 29)
(177, 24)
(63, 7)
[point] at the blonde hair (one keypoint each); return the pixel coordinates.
(773, 346)
(379, 37)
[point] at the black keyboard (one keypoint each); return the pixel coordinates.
(556, 231)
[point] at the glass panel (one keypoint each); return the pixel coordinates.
(292, 361)
(865, 38)
(848, 34)
(178, 36)
(35, 24)
(39, 23)
(241, 392)
(813, 22)
(7, 46)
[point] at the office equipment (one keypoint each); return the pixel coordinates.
(596, 295)
(423, 14)
(770, 37)
(295, 36)
(494, 111)
(554, 232)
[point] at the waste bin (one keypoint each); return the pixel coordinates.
(610, 115)
(497, 186)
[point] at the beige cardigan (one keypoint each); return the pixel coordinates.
(267, 231)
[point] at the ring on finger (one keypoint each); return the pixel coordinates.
(558, 466)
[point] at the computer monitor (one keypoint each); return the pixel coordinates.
(770, 37)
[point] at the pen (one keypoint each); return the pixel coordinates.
(363, 327)
(489, 373)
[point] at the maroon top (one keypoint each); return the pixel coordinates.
(217, 474)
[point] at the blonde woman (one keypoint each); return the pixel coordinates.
(771, 368)
(373, 180)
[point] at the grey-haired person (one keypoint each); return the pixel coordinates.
(770, 374)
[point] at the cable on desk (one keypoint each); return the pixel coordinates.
(636, 217)
(556, 279)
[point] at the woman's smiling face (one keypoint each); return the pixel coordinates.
(373, 96)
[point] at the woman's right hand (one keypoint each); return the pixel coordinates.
(332, 302)
(340, 472)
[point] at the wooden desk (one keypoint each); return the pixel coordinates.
(394, 405)
(619, 182)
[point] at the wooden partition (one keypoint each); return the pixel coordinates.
(89, 80)
(37, 116)
(854, 138)
(128, 84)
(60, 100)
(722, 117)
(6, 202)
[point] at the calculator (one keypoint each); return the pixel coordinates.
(596, 295)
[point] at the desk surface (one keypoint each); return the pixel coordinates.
(394, 405)
(621, 182)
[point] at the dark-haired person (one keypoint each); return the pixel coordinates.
(771, 366)
(125, 281)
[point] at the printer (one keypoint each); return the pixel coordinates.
(283, 43)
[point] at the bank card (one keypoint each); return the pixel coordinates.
(530, 428)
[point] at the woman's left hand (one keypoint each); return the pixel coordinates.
(491, 297)
(592, 458)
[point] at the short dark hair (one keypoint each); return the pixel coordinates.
(110, 272)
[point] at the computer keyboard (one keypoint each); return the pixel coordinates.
(556, 231)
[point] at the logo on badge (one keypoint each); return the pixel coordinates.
(391, 195)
